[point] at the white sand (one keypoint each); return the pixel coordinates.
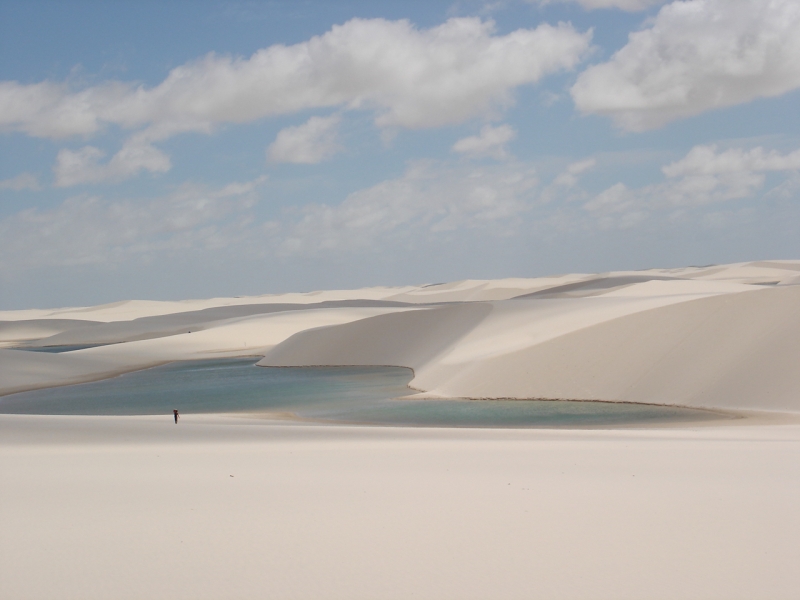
(726, 336)
(244, 336)
(136, 508)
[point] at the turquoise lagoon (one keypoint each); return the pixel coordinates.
(368, 395)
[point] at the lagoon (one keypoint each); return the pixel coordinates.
(359, 395)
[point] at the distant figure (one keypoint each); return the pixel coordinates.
(175, 414)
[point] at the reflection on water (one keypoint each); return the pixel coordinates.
(339, 394)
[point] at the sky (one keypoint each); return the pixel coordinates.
(185, 149)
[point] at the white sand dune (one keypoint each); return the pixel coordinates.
(21, 371)
(14, 333)
(243, 336)
(738, 351)
(135, 309)
(166, 325)
(722, 336)
(706, 343)
(223, 507)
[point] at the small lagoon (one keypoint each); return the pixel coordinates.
(368, 395)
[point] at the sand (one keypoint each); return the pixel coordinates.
(721, 337)
(231, 507)
(136, 507)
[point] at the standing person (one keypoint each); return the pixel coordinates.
(175, 414)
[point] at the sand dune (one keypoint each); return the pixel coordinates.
(134, 309)
(738, 351)
(14, 333)
(723, 336)
(243, 336)
(144, 328)
(31, 370)
(222, 507)
(712, 341)
(409, 339)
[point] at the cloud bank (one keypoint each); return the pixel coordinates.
(696, 56)
(432, 200)
(410, 77)
(428, 198)
(703, 177)
(88, 230)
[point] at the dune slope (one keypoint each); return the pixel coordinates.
(721, 336)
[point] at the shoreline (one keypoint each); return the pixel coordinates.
(706, 416)
(724, 415)
(726, 419)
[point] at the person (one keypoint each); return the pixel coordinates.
(175, 414)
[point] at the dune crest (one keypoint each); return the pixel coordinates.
(724, 336)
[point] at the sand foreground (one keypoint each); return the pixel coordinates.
(220, 507)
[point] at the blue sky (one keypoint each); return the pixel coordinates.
(189, 149)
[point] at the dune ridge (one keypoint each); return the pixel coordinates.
(722, 336)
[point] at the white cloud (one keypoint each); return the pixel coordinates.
(50, 110)
(84, 166)
(410, 77)
(564, 187)
(89, 230)
(705, 160)
(427, 199)
(23, 181)
(570, 175)
(618, 205)
(626, 5)
(309, 143)
(490, 142)
(695, 56)
(430, 201)
(704, 176)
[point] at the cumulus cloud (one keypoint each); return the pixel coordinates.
(626, 5)
(704, 176)
(428, 198)
(697, 55)
(23, 181)
(490, 142)
(309, 143)
(51, 110)
(410, 77)
(89, 230)
(75, 167)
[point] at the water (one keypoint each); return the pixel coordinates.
(336, 394)
(59, 349)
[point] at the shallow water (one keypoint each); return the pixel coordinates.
(339, 394)
(59, 349)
